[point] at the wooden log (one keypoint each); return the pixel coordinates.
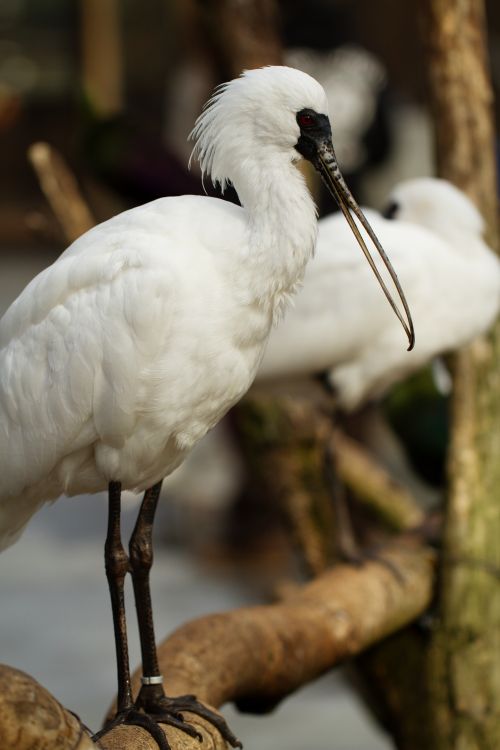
(32, 719)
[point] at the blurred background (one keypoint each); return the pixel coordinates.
(115, 87)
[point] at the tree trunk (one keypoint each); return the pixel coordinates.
(464, 667)
(243, 35)
(450, 697)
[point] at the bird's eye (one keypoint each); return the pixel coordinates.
(306, 120)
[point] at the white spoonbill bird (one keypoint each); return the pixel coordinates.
(338, 324)
(119, 357)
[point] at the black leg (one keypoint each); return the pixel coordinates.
(141, 561)
(116, 563)
(152, 705)
(152, 699)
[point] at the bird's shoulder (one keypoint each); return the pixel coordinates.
(134, 262)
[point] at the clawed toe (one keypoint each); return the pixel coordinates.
(133, 717)
(170, 711)
(182, 703)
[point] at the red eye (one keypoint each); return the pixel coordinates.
(306, 121)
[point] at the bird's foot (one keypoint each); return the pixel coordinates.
(163, 705)
(150, 723)
(149, 711)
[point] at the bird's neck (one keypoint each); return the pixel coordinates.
(282, 228)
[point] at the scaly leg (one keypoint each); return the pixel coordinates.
(152, 699)
(116, 564)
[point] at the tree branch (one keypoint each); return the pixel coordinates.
(61, 190)
(373, 485)
(254, 656)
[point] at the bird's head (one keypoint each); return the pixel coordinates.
(277, 112)
(256, 117)
(437, 205)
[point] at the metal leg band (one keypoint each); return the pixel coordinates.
(154, 680)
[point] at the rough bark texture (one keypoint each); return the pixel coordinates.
(32, 719)
(462, 99)
(464, 667)
(284, 439)
(255, 656)
(456, 673)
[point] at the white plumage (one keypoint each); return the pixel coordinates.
(119, 357)
(340, 323)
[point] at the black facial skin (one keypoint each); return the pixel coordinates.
(315, 145)
(312, 135)
(391, 211)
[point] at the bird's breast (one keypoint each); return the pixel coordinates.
(204, 372)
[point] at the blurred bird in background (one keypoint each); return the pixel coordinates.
(338, 324)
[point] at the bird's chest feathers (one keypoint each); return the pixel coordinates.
(204, 373)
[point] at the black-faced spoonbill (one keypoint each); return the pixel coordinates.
(119, 357)
(338, 322)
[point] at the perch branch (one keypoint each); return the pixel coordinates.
(32, 719)
(254, 656)
(261, 654)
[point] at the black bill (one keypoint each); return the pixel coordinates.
(325, 162)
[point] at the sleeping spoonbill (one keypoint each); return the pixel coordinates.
(339, 326)
(119, 357)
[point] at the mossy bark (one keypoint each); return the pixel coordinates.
(283, 440)
(464, 666)
(442, 692)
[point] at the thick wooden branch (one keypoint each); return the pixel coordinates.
(254, 656)
(258, 655)
(32, 719)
